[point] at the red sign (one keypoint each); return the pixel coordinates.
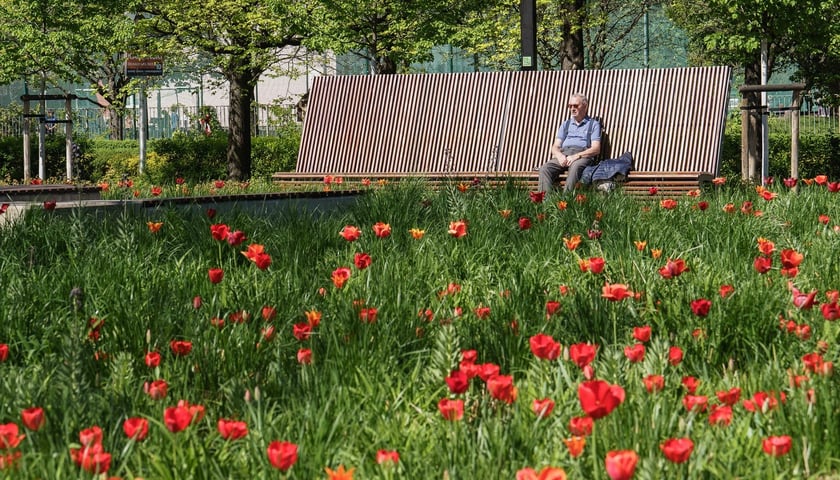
(143, 67)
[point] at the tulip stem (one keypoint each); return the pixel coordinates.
(594, 450)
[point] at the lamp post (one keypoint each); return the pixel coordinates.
(528, 33)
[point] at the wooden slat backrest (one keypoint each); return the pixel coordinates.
(670, 119)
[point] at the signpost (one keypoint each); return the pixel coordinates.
(143, 67)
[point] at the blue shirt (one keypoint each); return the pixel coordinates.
(577, 135)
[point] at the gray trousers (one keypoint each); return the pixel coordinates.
(552, 169)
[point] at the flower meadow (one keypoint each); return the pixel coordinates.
(458, 333)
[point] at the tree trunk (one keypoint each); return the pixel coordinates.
(384, 65)
(752, 76)
(573, 58)
(239, 117)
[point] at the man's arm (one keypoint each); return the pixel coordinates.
(557, 153)
(593, 151)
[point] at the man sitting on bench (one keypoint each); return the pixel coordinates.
(577, 145)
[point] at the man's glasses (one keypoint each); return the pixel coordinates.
(574, 105)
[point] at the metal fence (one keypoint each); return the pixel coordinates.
(163, 122)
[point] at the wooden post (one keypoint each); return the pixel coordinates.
(745, 139)
(27, 153)
(68, 137)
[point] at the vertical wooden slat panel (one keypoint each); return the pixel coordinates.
(670, 119)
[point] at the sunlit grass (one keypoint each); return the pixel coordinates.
(376, 385)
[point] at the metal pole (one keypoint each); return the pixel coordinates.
(765, 134)
(794, 135)
(141, 129)
(27, 147)
(746, 165)
(528, 33)
(68, 137)
(647, 40)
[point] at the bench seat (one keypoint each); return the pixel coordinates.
(637, 183)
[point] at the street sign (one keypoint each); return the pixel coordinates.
(143, 67)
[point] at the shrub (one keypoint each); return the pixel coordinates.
(11, 157)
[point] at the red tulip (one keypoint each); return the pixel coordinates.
(90, 436)
(458, 382)
(387, 456)
(675, 355)
(542, 407)
(232, 429)
(690, 383)
(581, 426)
(10, 436)
(282, 455)
(537, 197)
(596, 265)
(777, 446)
(582, 353)
(654, 383)
(726, 290)
(302, 331)
(196, 411)
(236, 238)
(695, 403)
(677, 450)
(219, 231)
(340, 276)
(92, 459)
(177, 418)
(216, 275)
(458, 228)
(152, 359)
(524, 223)
(33, 418)
(304, 356)
(720, 415)
(621, 464)
(136, 428)
(4, 352)
(803, 301)
(701, 307)
(350, 233)
(544, 347)
(156, 389)
(547, 473)
(729, 397)
(501, 388)
(451, 409)
(673, 268)
(615, 292)
(762, 264)
(598, 398)
(382, 230)
(361, 260)
(642, 334)
(551, 307)
(635, 353)
(180, 348)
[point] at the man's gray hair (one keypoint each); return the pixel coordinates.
(582, 98)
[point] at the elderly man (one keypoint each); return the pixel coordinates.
(577, 145)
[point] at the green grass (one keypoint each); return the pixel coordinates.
(376, 386)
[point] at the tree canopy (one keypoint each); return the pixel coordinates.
(802, 34)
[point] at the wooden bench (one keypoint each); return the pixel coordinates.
(499, 125)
